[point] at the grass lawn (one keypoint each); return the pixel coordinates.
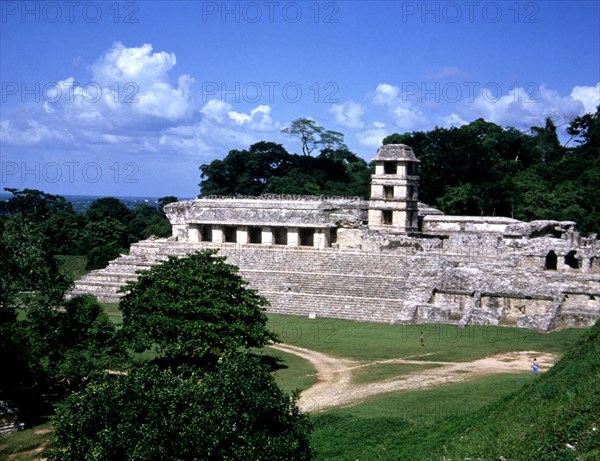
(374, 341)
(389, 424)
(26, 445)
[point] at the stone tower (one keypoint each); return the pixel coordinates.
(394, 190)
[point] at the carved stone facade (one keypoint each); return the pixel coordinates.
(389, 259)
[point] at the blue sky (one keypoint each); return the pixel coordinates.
(130, 98)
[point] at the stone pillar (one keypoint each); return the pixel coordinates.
(217, 234)
(320, 239)
(193, 233)
(267, 236)
(180, 232)
(293, 239)
(242, 235)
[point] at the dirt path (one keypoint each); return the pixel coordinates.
(335, 388)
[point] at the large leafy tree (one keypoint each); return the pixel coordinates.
(71, 344)
(268, 168)
(312, 136)
(194, 311)
(45, 341)
(234, 413)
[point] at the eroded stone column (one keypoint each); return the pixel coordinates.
(267, 235)
(217, 234)
(293, 239)
(320, 239)
(242, 235)
(193, 233)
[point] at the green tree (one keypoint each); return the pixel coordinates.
(585, 129)
(103, 240)
(53, 214)
(234, 413)
(71, 344)
(312, 136)
(193, 310)
(245, 172)
(166, 200)
(266, 168)
(109, 207)
(34, 204)
(148, 220)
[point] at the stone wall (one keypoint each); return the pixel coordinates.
(483, 280)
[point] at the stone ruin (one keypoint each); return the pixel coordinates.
(388, 259)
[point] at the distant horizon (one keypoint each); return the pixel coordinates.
(4, 195)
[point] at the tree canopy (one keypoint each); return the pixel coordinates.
(267, 168)
(234, 413)
(312, 136)
(193, 311)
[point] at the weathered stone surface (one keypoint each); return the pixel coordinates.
(319, 256)
(9, 417)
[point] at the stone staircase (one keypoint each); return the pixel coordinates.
(358, 285)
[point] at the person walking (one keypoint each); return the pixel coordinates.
(535, 366)
(422, 339)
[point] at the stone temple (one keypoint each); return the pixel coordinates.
(389, 259)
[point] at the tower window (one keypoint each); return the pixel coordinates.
(206, 233)
(387, 217)
(333, 235)
(388, 192)
(389, 167)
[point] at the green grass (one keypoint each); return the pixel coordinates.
(374, 341)
(73, 264)
(26, 445)
(113, 312)
(383, 427)
(518, 416)
(298, 374)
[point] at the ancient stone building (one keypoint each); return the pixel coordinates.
(388, 259)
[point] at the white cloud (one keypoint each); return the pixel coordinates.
(386, 94)
(523, 107)
(216, 109)
(588, 95)
(348, 114)
(259, 118)
(404, 114)
(453, 120)
(372, 137)
(136, 64)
